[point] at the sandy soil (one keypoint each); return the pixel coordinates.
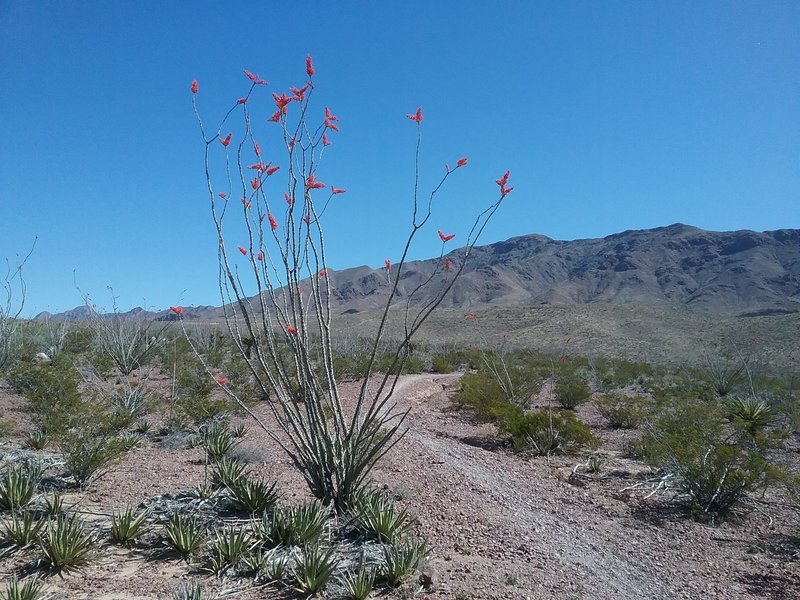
(500, 525)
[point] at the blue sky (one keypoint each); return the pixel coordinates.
(610, 116)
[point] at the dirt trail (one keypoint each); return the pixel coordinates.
(505, 527)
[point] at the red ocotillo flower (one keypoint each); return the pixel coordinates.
(271, 170)
(243, 250)
(246, 203)
(250, 76)
(335, 190)
(323, 272)
(223, 195)
(309, 66)
(446, 168)
(470, 316)
(462, 162)
(226, 140)
(288, 198)
(291, 330)
(388, 264)
(276, 116)
(330, 120)
(417, 116)
(299, 94)
(222, 380)
(195, 87)
(504, 191)
(260, 255)
(257, 149)
(446, 237)
(178, 310)
(272, 222)
(312, 183)
(255, 183)
(325, 140)
(448, 264)
(242, 100)
(307, 218)
(282, 101)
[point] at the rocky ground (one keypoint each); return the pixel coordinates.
(500, 525)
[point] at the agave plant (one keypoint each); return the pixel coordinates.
(228, 472)
(30, 590)
(753, 414)
(375, 515)
(67, 545)
(17, 488)
(253, 496)
(229, 547)
(401, 560)
(185, 534)
(20, 530)
(188, 591)
(126, 526)
(358, 585)
(313, 569)
(292, 526)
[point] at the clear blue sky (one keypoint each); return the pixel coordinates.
(610, 116)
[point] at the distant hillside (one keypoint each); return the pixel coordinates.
(682, 267)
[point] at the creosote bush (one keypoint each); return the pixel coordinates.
(715, 466)
(572, 391)
(622, 411)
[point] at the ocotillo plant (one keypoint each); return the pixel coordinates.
(276, 293)
(13, 288)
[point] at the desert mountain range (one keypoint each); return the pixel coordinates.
(678, 267)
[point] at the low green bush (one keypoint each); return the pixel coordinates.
(623, 411)
(571, 391)
(547, 431)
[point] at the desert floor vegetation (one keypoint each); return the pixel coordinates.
(652, 484)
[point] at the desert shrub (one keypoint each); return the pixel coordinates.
(715, 468)
(440, 363)
(547, 431)
(482, 393)
(617, 373)
(6, 427)
(51, 390)
(622, 411)
(90, 450)
(571, 391)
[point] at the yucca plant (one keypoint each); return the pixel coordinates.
(36, 439)
(21, 529)
(67, 545)
(253, 496)
(17, 488)
(217, 441)
(126, 526)
(228, 472)
(276, 566)
(54, 505)
(358, 585)
(188, 591)
(204, 491)
(185, 534)
(401, 560)
(292, 526)
(30, 590)
(751, 413)
(228, 549)
(239, 431)
(313, 568)
(142, 426)
(375, 515)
